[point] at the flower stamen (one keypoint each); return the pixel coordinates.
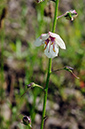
(45, 45)
(52, 43)
(53, 46)
(54, 50)
(49, 47)
(45, 48)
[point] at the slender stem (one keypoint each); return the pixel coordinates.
(61, 16)
(46, 92)
(36, 85)
(58, 70)
(49, 69)
(55, 16)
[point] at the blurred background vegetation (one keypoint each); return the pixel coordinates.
(21, 22)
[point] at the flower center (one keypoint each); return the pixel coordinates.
(50, 41)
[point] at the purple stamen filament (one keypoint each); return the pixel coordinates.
(51, 41)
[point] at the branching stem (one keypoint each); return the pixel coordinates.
(49, 68)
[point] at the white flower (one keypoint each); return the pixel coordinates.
(51, 42)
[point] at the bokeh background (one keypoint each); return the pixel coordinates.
(21, 22)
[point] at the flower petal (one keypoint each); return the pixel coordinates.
(38, 42)
(44, 36)
(52, 34)
(50, 53)
(60, 42)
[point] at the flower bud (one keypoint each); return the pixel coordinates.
(68, 68)
(71, 15)
(30, 85)
(26, 120)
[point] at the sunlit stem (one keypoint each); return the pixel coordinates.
(36, 85)
(49, 68)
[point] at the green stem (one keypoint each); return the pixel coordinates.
(49, 69)
(46, 92)
(36, 85)
(55, 16)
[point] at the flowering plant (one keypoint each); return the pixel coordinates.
(51, 42)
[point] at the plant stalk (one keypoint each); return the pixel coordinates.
(49, 68)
